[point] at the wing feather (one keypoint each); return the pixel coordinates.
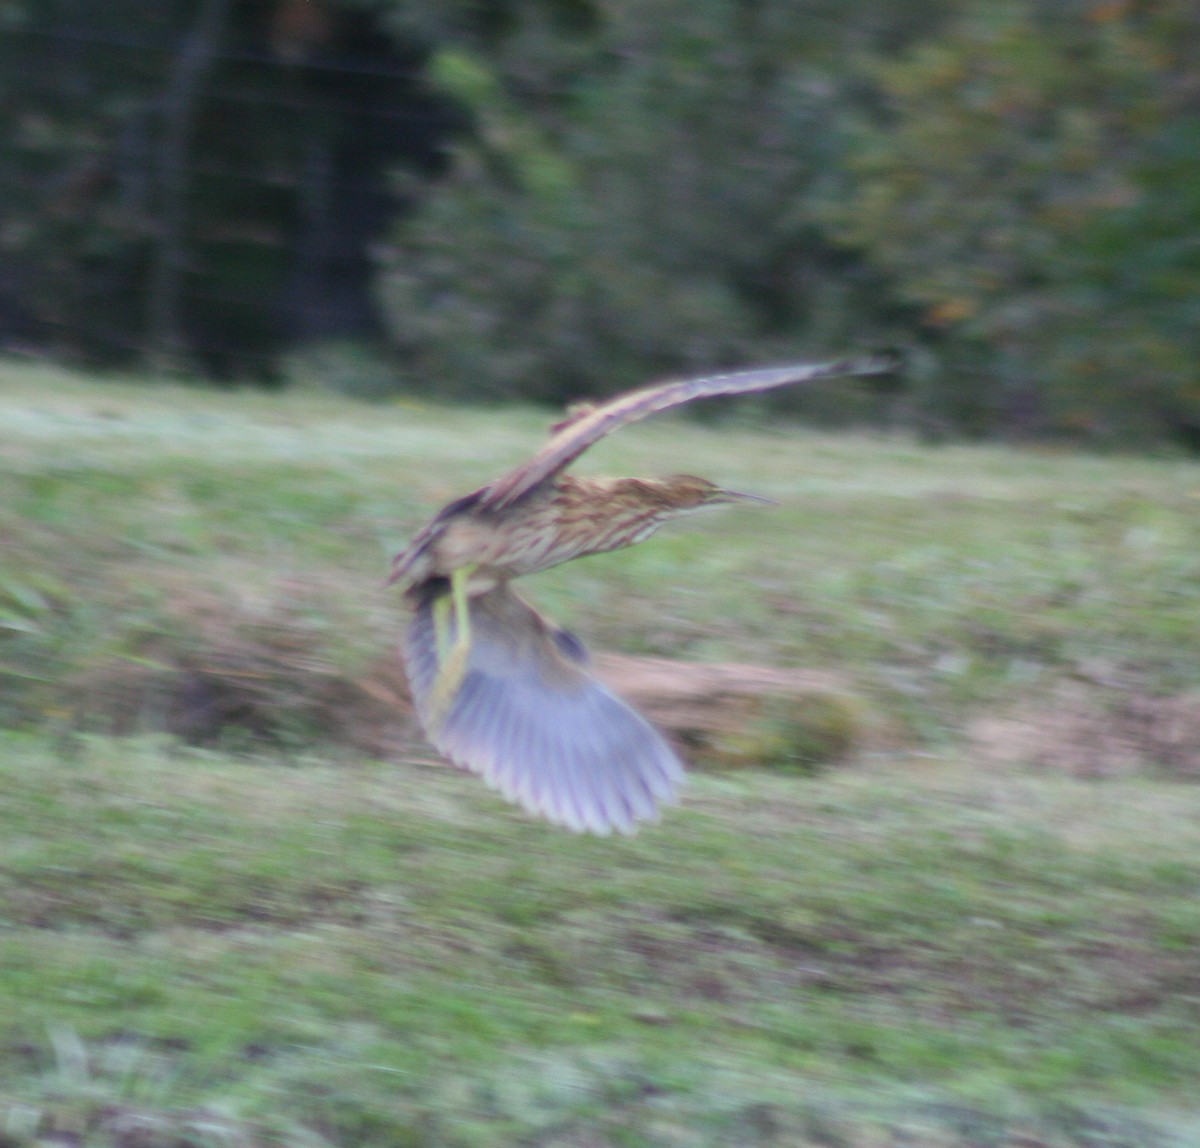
(537, 726)
(580, 433)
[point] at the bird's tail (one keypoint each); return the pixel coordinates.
(535, 724)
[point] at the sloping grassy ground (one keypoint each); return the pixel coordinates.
(273, 935)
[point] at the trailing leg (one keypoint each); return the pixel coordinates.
(452, 633)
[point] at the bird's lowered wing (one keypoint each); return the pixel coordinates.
(536, 725)
(579, 433)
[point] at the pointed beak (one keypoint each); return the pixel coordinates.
(738, 496)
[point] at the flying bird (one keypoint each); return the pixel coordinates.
(501, 690)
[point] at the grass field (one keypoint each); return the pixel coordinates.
(286, 923)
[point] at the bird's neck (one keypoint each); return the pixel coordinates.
(614, 512)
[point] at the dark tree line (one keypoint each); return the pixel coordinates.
(547, 198)
(197, 183)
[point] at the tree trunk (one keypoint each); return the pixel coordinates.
(178, 107)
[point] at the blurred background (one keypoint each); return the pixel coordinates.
(549, 198)
(279, 278)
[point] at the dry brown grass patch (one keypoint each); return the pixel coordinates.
(1089, 731)
(271, 665)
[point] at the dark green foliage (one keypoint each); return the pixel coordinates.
(655, 212)
(196, 183)
(1031, 187)
(1006, 186)
(665, 187)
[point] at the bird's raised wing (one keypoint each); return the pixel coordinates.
(578, 433)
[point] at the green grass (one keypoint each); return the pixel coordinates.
(384, 946)
(142, 523)
(275, 936)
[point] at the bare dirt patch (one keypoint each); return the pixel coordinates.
(279, 663)
(1087, 731)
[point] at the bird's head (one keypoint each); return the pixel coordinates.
(684, 493)
(600, 514)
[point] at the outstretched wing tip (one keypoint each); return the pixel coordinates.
(562, 810)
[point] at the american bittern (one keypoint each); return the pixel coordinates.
(503, 691)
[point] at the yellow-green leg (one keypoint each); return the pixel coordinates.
(451, 656)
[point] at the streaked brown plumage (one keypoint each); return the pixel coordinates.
(498, 688)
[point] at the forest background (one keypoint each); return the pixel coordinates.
(551, 198)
